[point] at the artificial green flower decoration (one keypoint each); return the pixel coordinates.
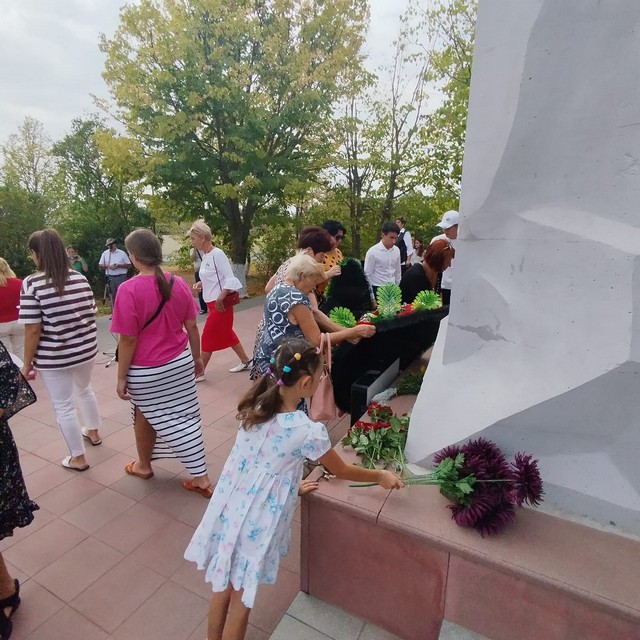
(343, 317)
(389, 298)
(427, 300)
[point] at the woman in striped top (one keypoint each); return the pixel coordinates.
(58, 310)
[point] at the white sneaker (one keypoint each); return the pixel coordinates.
(200, 379)
(243, 366)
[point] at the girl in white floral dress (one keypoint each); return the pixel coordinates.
(247, 526)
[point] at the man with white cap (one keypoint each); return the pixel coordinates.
(115, 263)
(449, 224)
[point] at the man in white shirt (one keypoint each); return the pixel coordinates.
(449, 224)
(404, 237)
(115, 263)
(382, 262)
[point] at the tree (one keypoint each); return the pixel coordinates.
(384, 134)
(355, 163)
(21, 213)
(452, 24)
(96, 188)
(401, 117)
(28, 163)
(24, 192)
(231, 100)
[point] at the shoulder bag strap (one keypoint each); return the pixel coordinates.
(215, 266)
(325, 347)
(159, 309)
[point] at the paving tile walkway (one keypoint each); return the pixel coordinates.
(104, 555)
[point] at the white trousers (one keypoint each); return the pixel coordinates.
(12, 336)
(67, 388)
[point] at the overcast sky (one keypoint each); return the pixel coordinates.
(50, 63)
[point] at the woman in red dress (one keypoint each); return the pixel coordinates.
(216, 282)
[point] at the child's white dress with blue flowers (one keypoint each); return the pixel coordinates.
(247, 526)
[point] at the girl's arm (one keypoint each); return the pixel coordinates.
(303, 317)
(191, 327)
(126, 349)
(31, 338)
(340, 469)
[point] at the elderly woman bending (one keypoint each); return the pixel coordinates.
(313, 242)
(288, 313)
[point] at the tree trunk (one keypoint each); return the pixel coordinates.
(386, 214)
(239, 227)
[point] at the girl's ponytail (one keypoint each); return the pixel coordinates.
(291, 360)
(260, 403)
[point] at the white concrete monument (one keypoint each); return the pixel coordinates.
(541, 350)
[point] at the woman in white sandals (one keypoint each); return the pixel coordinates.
(216, 282)
(60, 341)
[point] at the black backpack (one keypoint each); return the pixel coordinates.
(400, 243)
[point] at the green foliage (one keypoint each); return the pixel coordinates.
(182, 257)
(231, 101)
(389, 299)
(451, 23)
(447, 476)
(93, 202)
(452, 486)
(28, 163)
(21, 213)
(272, 245)
(427, 300)
(343, 317)
(422, 213)
(410, 383)
(397, 156)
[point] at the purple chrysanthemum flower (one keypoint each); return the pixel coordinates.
(484, 459)
(527, 483)
(485, 514)
(467, 515)
(448, 452)
(496, 518)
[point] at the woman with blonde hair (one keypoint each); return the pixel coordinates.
(155, 315)
(216, 282)
(11, 333)
(288, 313)
(60, 341)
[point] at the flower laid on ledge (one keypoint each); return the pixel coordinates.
(483, 487)
(380, 441)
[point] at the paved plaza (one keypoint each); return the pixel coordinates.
(104, 555)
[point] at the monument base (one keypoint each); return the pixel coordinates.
(397, 560)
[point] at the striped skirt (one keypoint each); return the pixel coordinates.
(166, 396)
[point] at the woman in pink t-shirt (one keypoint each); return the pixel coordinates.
(155, 315)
